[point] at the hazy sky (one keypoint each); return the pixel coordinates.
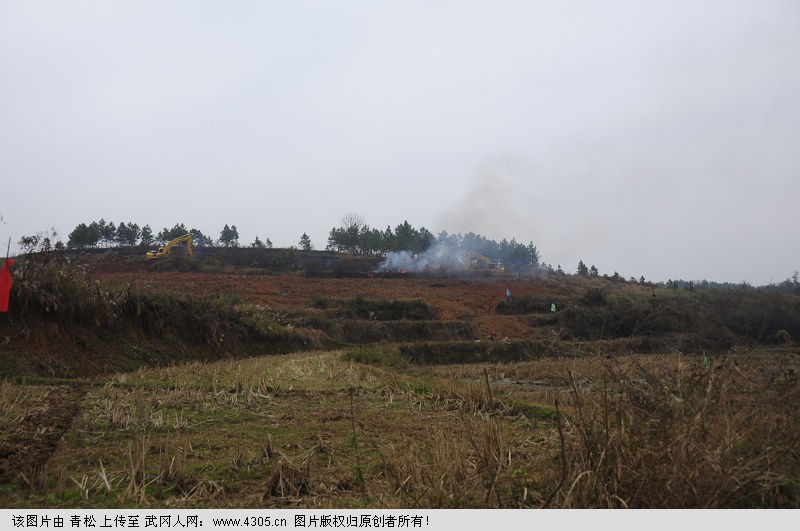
(655, 138)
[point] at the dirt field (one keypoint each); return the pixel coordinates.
(470, 299)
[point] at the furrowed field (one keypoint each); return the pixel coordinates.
(210, 384)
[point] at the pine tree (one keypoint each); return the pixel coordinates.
(229, 237)
(199, 239)
(147, 237)
(84, 236)
(305, 242)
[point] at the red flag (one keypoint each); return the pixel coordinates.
(5, 284)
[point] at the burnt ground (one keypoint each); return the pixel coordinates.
(455, 298)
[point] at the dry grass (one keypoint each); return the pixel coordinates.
(10, 398)
(316, 430)
(678, 433)
(590, 425)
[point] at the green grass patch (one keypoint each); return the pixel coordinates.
(382, 355)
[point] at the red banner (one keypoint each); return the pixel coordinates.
(5, 284)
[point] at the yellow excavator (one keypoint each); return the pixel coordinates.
(477, 261)
(164, 251)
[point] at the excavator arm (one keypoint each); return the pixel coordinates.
(164, 251)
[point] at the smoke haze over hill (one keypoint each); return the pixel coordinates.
(654, 139)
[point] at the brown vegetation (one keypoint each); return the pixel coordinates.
(129, 386)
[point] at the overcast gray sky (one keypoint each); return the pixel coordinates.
(655, 138)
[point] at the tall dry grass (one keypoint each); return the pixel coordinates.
(680, 435)
(449, 469)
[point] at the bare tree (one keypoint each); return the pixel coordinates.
(351, 220)
(352, 225)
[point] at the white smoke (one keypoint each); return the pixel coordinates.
(438, 257)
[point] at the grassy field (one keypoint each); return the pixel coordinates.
(317, 429)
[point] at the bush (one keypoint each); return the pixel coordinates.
(378, 310)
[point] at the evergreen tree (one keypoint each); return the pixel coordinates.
(229, 237)
(387, 240)
(582, 269)
(199, 239)
(305, 242)
(347, 237)
(404, 236)
(373, 241)
(127, 233)
(534, 255)
(423, 238)
(146, 236)
(84, 236)
(170, 234)
(108, 232)
(336, 239)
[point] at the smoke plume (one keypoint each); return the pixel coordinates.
(441, 256)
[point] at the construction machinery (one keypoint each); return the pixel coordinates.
(476, 261)
(164, 251)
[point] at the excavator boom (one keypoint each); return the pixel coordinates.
(164, 251)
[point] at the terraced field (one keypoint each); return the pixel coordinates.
(236, 387)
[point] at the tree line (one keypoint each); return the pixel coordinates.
(354, 236)
(107, 234)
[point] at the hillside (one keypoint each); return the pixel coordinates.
(195, 381)
(91, 313)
